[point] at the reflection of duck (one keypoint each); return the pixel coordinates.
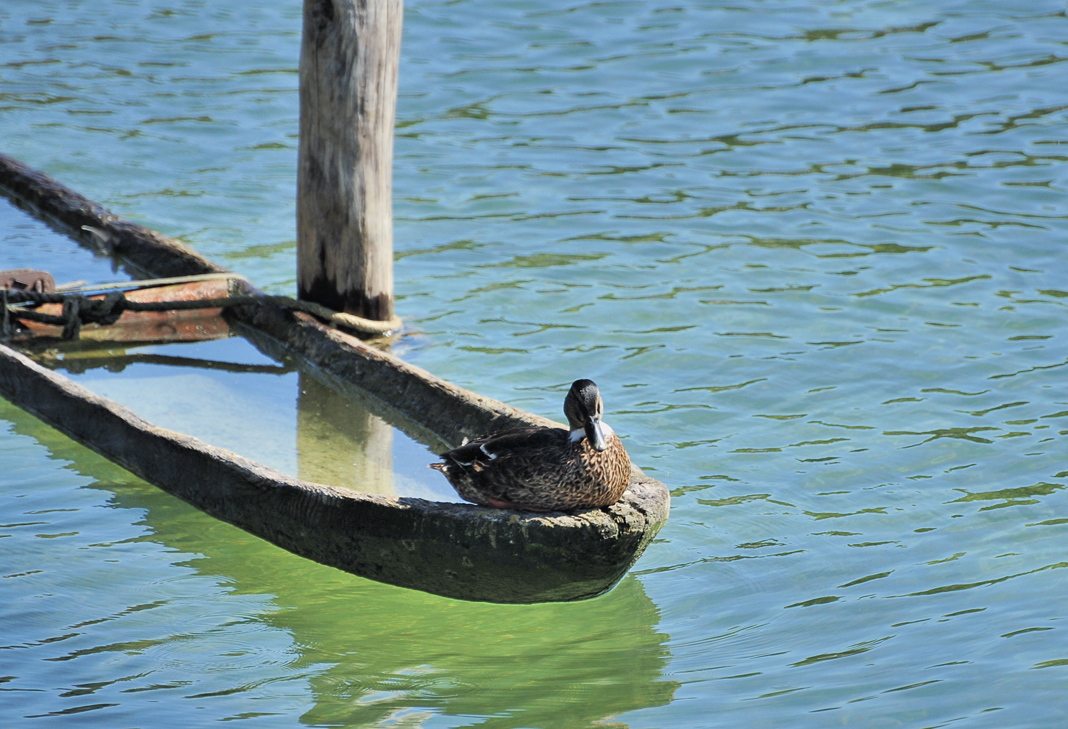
(545, 469)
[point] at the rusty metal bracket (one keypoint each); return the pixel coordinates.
(27, 279)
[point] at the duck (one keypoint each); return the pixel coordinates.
(545, 469)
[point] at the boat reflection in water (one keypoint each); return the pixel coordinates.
(340, 443)
(227, 393)
(350, 651)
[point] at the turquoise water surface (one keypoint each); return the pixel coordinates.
(812, 252)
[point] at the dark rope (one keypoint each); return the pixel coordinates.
(5, 317)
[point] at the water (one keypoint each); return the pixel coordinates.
(812, 254)
(301, 423)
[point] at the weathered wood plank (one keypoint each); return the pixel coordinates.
(146, 250)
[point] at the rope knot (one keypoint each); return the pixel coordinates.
(104, 311)
(78, 310)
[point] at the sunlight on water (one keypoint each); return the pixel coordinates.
(810, 251)
(227, 393)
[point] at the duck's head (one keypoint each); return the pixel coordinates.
(584, 408)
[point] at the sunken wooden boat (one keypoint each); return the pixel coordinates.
(457, 550)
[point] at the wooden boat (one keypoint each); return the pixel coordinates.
(457, 550)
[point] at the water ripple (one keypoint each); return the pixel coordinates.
(812, 254)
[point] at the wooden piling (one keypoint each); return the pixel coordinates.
(350, 51)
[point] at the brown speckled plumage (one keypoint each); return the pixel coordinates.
(545, 469)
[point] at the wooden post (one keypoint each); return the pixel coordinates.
(349, 55)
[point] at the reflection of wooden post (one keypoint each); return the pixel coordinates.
(349, 55)
(339, 443)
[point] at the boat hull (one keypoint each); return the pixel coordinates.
(457, 550)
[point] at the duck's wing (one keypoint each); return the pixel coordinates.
(509, 446)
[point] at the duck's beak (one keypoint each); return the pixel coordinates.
(595, 434)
